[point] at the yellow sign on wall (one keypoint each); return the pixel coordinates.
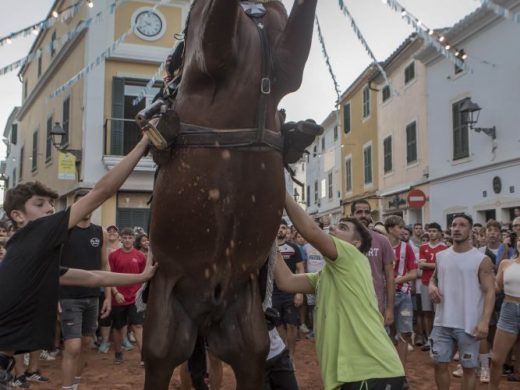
(66, 166)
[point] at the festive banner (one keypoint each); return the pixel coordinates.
(365, 44)
(147, 89)
(430, 37)
(327, 60)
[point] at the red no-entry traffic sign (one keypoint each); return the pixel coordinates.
(416, 199)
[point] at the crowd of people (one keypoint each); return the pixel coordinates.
(366, 292)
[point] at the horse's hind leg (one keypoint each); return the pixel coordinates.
(169, 334)
(241, 338)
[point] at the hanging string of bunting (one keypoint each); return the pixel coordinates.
(147, 89)
(354, 26)
(327, 60)
(438, 41)
(34, 29)
(99, 59)
(53, 45)
(501, 11)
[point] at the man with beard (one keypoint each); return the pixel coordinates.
(86, 248)
(381, 257)
(287, 303)
(463, 287)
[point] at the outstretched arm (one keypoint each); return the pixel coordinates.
(107, 185)
(80, 277)
(309, 230)
(289, 282)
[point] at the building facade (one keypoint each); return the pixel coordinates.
(402, 132)
(471, 169)
(323, 174)
(97, 112)
(360, 156)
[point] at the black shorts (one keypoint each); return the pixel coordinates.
(376, 384)
(279, 373)
(288, 312)
(126, 315)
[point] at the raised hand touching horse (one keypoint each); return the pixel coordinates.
(219, 198)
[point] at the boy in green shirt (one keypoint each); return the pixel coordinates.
(354, 350)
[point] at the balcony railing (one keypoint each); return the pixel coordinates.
(121, 135)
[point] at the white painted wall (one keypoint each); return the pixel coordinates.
(493, 83)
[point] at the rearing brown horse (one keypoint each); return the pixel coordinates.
(216, 211)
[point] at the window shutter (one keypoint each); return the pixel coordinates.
(118, 112)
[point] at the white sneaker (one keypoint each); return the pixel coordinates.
(458, 373)
(410, 348)
(45, 355)
(484, 375)
(304, 329)
(456, 356)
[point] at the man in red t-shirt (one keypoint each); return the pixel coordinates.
(427, 259)
(405, 271)
(129, 260)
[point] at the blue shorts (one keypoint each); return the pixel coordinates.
(403, 313)
(444, 341)
(510, 317)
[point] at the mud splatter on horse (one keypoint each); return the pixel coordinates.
(218, 198)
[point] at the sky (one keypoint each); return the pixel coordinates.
(383, 29)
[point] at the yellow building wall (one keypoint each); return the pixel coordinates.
(123, 17)
(42, 107)
(108, 211)
(362, 131)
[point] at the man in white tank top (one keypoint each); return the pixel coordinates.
(463, 287)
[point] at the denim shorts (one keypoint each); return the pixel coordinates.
(79, 317)
(510, 317)
(444, 341)
(403, 313)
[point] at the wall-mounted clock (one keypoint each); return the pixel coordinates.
(149, 24)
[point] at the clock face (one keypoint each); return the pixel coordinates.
(148, 24)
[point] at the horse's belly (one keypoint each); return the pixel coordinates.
(214, 218)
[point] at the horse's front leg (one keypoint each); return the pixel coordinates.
(169, 334)
(241, 338)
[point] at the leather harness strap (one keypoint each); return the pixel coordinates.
(258, 139)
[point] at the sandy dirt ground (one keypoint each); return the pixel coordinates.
(102, 374)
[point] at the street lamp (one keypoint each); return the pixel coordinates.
(57, 134)
(470, 112)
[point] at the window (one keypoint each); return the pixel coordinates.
(315, 191)
(48, 140)
(367, 161)
(14, 133)
(40, 65)
(346, 118)
(331, 191)
(458, 69)
(386, 93)
(335, 133)
(14, 177)
(34, 155)
(323, 143)
(409, 73)
(314, 151)
(366, 102)
(348, 174)
(21, 163)
(308, 202)
(411, 143)
(25, 88)
(387, 154)
(54, 43)
(66, 121)
(460, 132)
(323, 188)
(132, 209)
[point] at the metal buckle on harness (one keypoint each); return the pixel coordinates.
(265, 85)
(252, 9)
